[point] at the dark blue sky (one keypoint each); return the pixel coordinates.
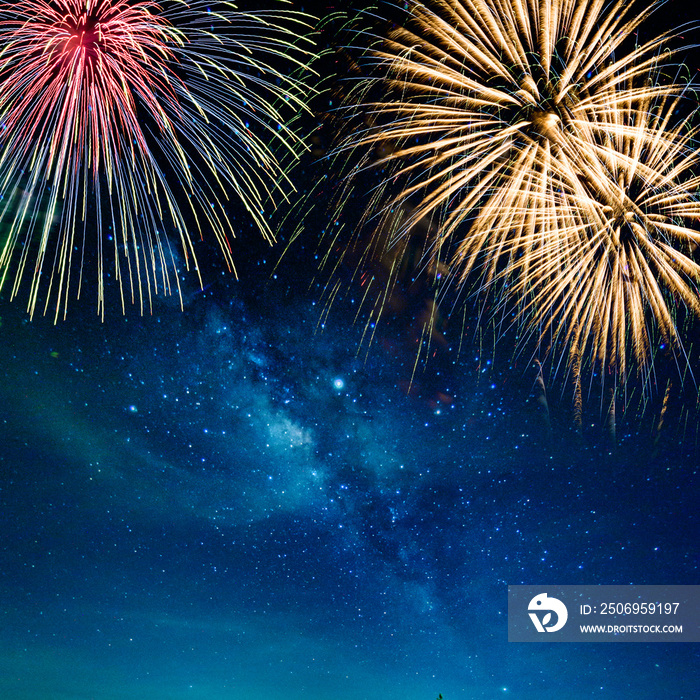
(239, 501)
(226, 502)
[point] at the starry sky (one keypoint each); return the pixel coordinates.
(246, 499)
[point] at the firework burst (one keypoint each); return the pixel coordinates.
(133, 121)
(626, 255)
(538, 140)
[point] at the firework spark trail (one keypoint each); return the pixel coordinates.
(553, 168)
(115, 112)
(631, 250)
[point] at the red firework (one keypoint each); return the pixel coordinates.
(113, 113)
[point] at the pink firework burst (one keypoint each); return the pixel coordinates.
(119, 117)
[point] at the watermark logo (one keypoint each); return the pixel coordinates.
(599, 613)
(544, 603)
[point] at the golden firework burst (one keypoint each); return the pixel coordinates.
(547, 150)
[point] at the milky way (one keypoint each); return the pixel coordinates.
(233, 500)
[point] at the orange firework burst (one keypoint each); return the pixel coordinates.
(538, 146)
(114, 113)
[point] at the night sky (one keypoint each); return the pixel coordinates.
(246, 499)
